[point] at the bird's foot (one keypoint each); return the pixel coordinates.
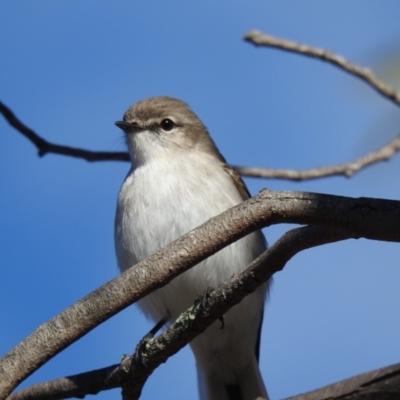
(204, 302)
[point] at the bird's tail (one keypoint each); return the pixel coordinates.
(249, 385)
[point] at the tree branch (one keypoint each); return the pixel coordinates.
(260, 39)
(364, 217)
(207, 310)
(44, 147)
(380, 384)
(79, 385)
(348, 169)
(135, 370)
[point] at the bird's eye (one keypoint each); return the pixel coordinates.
(167, 125)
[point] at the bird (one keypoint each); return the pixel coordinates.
(177, 181)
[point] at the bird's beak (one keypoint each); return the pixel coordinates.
(128, 127)
(121, 124)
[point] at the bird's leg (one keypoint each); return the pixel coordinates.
(141, 347)
(156, 328)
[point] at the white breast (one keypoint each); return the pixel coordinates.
(163, 200)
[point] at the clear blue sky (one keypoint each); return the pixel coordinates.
(70, 69)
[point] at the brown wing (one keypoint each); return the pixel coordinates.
(238, 181)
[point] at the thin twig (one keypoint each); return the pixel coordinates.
(348, 169)
(78, 385)
(260, 39)
(44, 147)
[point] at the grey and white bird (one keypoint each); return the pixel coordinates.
(178, 180)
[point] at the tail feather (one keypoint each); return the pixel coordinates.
(249, 385)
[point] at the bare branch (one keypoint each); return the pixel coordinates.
(364, 217)
(135, 370)
(260, 39)
(44, 147)
(348, 169)
(207, 310)
(380, 384)
(79, 385)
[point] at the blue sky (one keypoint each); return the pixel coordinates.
(70, 69)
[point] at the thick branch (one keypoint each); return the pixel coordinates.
(348, 169)
(260, 39)
(380, 384)
(134, 371)
(370, 218)
(201, 316)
